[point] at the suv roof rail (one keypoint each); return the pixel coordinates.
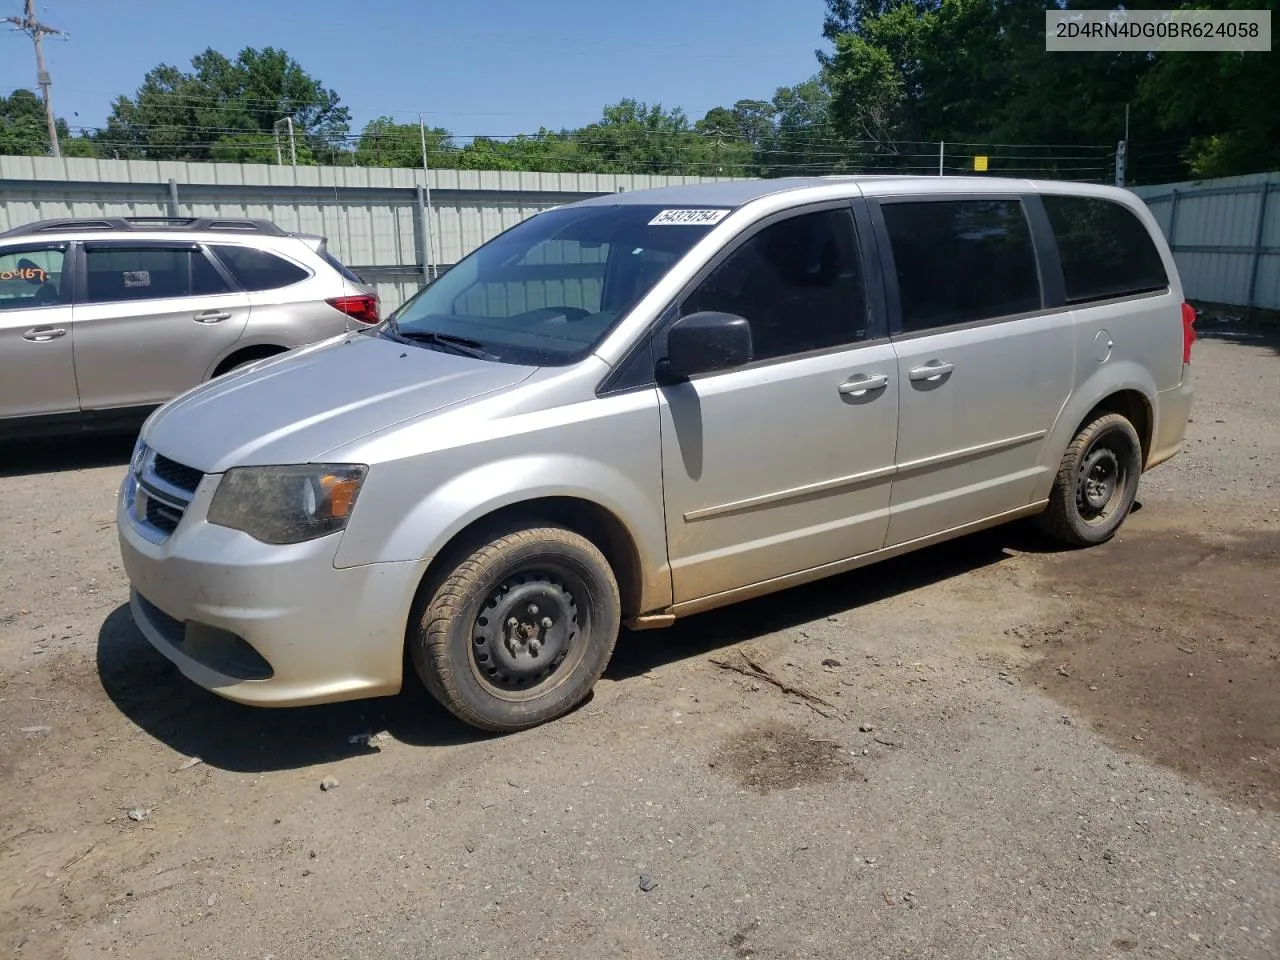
(186, 224)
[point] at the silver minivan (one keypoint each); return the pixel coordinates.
(647, 405)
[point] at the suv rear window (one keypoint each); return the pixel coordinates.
(257, 269)
(1105, 249)
(959, 261)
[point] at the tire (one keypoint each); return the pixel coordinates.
(1096, 484)
(519, 631)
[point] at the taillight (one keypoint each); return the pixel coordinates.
(363, 308)
(1188, 331)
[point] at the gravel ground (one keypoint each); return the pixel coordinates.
(1014, 752)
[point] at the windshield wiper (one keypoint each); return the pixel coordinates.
(462, 345)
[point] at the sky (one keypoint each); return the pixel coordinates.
(492, 68)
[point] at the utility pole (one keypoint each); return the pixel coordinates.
(1122, 151)
(426, 213)
(293, 146)
(32, 27)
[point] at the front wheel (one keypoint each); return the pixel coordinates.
(520, 630)
(1096, 484)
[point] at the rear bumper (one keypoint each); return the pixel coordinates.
(1173, 409)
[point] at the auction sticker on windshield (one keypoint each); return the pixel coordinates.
(688, 218)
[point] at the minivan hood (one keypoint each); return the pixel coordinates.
(293, 408)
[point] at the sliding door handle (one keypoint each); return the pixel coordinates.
(933, 370)
(857, 386)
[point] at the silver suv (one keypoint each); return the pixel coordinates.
(647, 405)
(103, 320)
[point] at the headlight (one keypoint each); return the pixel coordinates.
(287, 504)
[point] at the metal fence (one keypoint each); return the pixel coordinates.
(377, 220)
(1225, 236)
(1225, 233)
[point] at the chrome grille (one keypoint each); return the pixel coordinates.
(181, 476)
(158, 493)
(162, 516)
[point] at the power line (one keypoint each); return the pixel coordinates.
(37, 31)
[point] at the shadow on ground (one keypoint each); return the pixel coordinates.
(151, 692)
(154, 695)
(1250, 336)
(703, 633)
(21, 458)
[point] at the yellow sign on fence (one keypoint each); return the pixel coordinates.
(980, 164)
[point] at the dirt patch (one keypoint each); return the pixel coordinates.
(1172, 650)
(778, 756)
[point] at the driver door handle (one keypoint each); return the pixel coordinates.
(933, 370)
(212, 316)
(857, 386)
(44, 334)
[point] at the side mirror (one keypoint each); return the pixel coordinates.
(705, 342)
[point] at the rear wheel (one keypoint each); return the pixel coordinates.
(245, 357)
(520, 630)
(1096, 484)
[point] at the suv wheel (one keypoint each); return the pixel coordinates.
(519, 631)
(1096, 484)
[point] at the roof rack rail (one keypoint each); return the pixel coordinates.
(125, 224)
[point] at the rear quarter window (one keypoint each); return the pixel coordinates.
(1105, 249)
(347, 273)
(258, 270)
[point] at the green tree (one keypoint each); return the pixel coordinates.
(868, 93)
(635, 137)
(723, 149)
(385, 143)
(755, 121)
(22, 125)
(545, 152)
(1225, 100)
(801, 142)
(184, 115)
(24, 131)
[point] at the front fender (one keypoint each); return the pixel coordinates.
(410, 508)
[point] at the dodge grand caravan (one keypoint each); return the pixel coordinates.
(646, 405)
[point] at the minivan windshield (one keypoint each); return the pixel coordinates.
(546, 291)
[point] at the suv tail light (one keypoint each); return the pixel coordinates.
(1188, 331)
(363, 308)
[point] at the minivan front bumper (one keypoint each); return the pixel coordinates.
(262, 624)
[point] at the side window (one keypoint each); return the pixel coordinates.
(256, 269)
(205, 278)
(31, 276)
(959, 261)
(797, 282)
(1105, 249)
(120, 272)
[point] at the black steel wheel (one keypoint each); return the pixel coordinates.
(1097, 483)
(518, 632)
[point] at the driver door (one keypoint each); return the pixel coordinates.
(37, 365)
(783, 465)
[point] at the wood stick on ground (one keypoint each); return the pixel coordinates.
(749, 667)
